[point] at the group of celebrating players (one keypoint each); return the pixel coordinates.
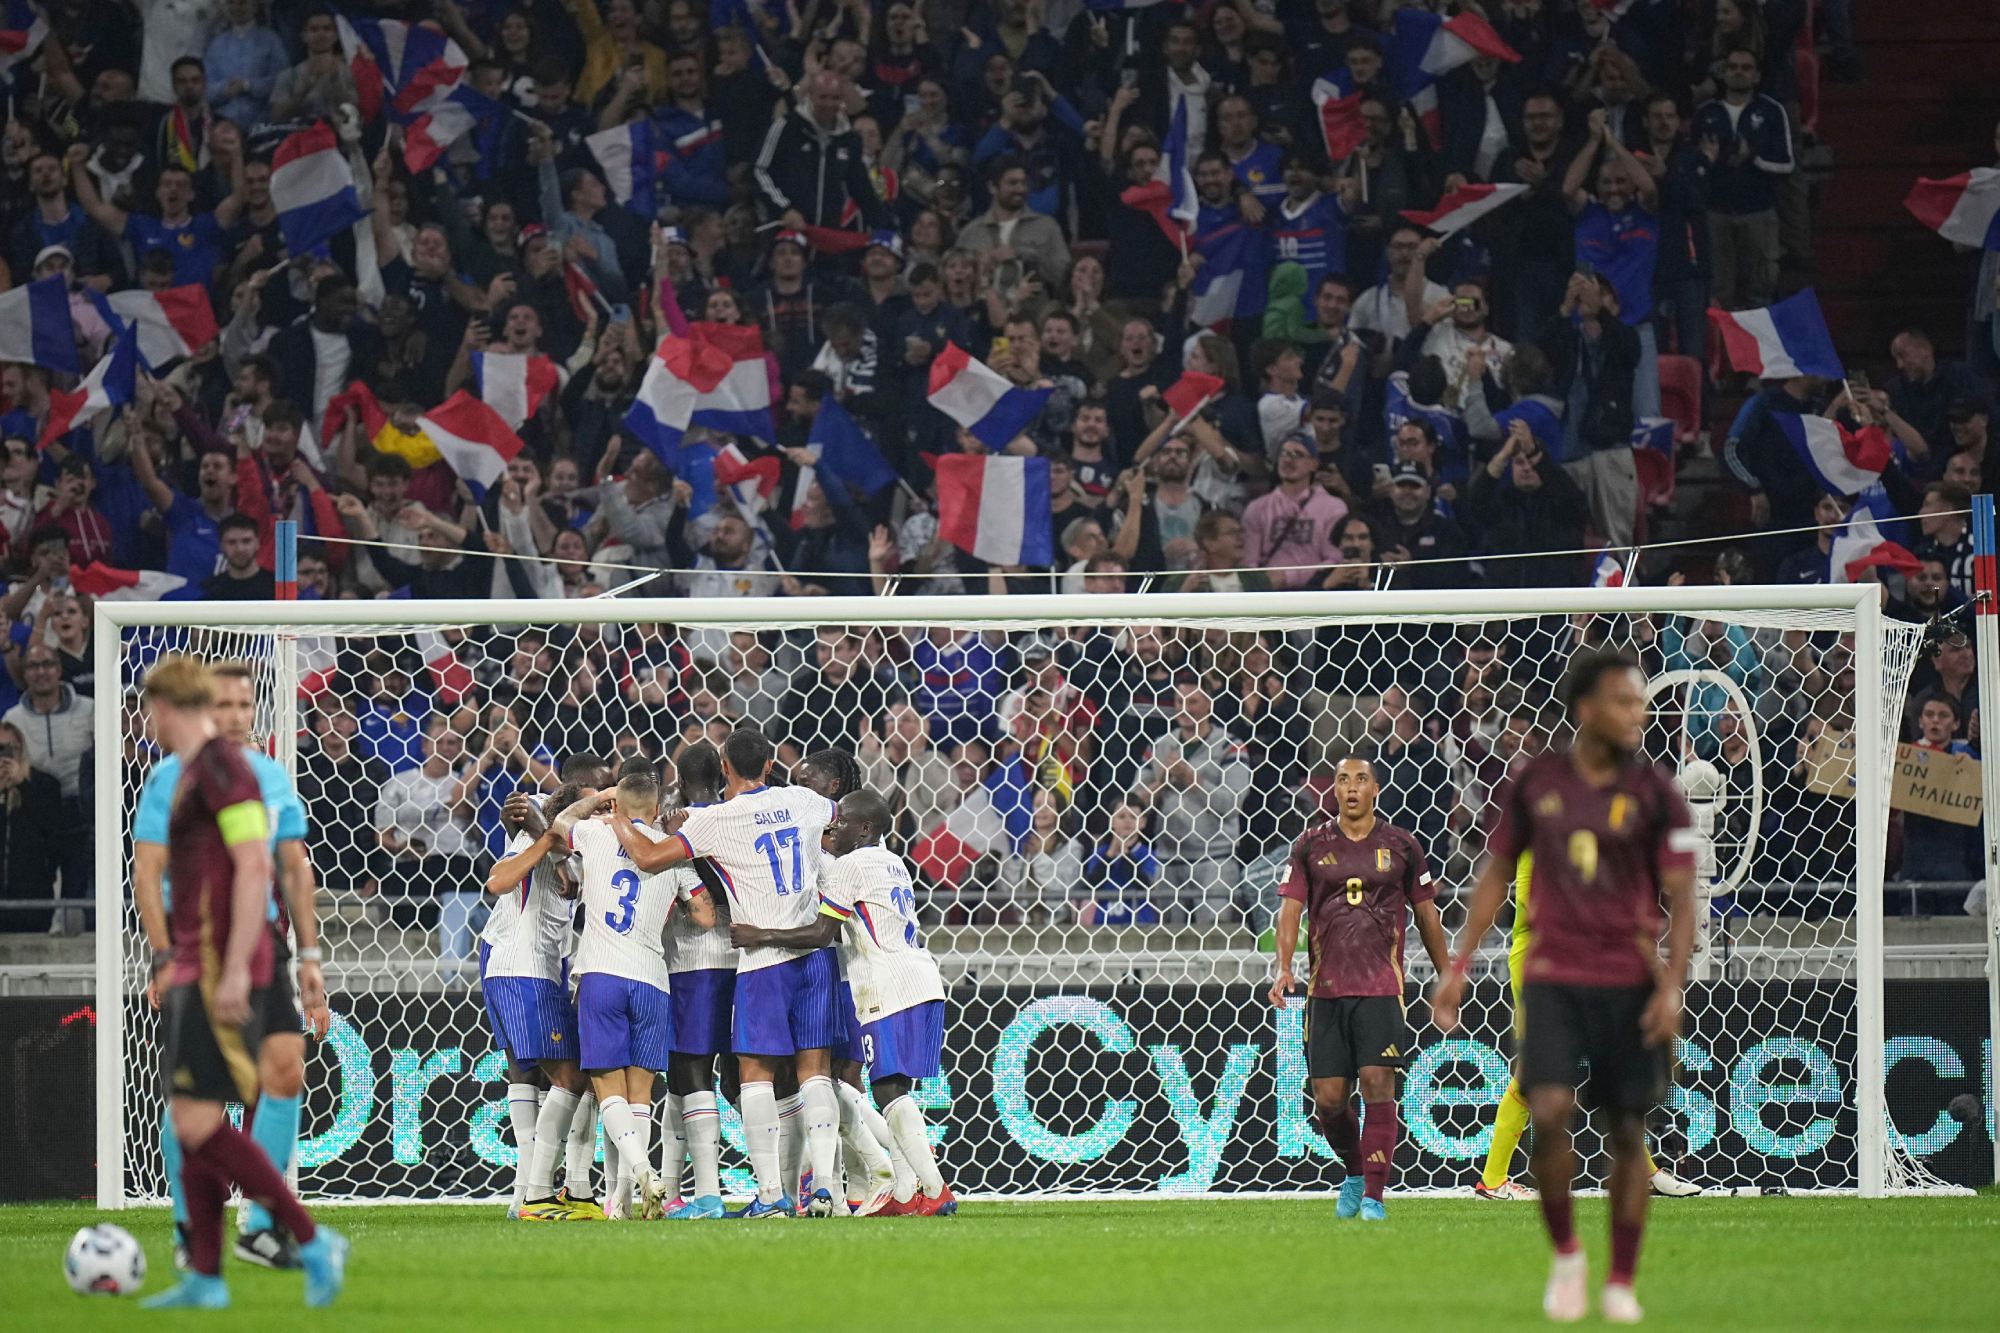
(739, 986)
(795, 961)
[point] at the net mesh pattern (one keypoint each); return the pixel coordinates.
(1097, 816)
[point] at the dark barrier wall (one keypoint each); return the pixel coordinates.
(1137, 1089)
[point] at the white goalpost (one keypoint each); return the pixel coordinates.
(1097, 793)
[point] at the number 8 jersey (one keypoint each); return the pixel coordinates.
(624, 911)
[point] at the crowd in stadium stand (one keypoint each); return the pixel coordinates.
(869, 185)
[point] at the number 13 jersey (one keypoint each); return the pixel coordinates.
(1357, 892)
(624, 911)
(882, 953)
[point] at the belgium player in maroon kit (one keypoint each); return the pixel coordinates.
(1611, 837)
(1356, 881)
(220, 962)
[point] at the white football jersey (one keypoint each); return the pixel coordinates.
(765, 843)
(624, 911)
(529, 929)
(882, 953)
(692, 948)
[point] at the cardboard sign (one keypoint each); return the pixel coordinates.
(1936, 785)
(1830, 764)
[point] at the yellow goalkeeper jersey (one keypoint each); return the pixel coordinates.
(1517, 951)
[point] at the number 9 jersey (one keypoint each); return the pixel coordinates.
(624, 911)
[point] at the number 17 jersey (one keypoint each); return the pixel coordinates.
(765, 845)
(624, 910)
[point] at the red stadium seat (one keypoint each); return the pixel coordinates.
(1680, 396)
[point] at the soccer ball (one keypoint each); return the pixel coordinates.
(104, 1260)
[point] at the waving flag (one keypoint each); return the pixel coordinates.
(1339, 105)
(1964, 208)
(1607, 571)
(1463, 206)
(112, 382)
(1858, 546)
(990, 407)
(1423, 45)
(681, 371)
(396, 65)
(1844, 462)
(632, 166)
(748, 482)
(453, 679)
(996, 507)
(35, 326)
(472, 438)
(362, 399)
(1190, 393)
(176, 322)
(1169, 197)
(107, 584)
(740, 403)
(1234, 282)
(1779, 341)
(312, 188)
(514, 384)
(23, 29)
(846, 453)
(442, 120)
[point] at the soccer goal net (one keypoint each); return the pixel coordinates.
(1097, 795)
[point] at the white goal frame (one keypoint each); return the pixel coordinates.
(1273, 610)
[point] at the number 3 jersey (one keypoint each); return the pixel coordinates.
(1357, 892)
(882, 955)
(528, 930)
(624, 911)
(764, 843)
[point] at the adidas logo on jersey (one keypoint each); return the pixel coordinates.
(1391, 1053)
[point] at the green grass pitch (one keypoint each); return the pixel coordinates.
(1215, 1266)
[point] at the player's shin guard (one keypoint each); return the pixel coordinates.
(230, 1154)
(523, 1108)
(822, 1131)
(640, 1161)
(1625, 1240)
(703, 1124)
(1378, 1147)
(906, 1124)
(760, 1140)
(1343, 1135)
(863, 1148)
(580, 1148)
(1509, 1125)
(621, 1136)
(275, 1129)
(552, 1126)
(673, 1144)
(170, 1157)
(791, 1142)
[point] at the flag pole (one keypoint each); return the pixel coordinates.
(285, 559)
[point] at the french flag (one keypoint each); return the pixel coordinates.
(1844, 462)
(632, 166)
(453, 679)
(1965, 208)
(681, 371)
(996, 507)
(747, 482)
(740, 402)
(441, 121)
(982, 400)
(1234, 280)
(107, 584)
(1779, 341)
(1170, 196)
(173, 323)
(312, 188)
(1464, 206)
(35, 326)
(112, 382)
(846, 453)
(23, 29)
(398, 65)
(514, 384)
(1607, 572)
(472, 438)
(1423, 45)
(1858, 546)
(1339, 105)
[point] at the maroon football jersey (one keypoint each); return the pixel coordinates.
(1600, 853)
(203, 876)
(1358, 894)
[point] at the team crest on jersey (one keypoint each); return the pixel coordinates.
(1381, 858)
(1550, 804)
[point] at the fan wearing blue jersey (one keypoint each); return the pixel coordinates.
(624, 1018)
(1307, 227)
(281, 1055)
(868, 906)
(761, 839)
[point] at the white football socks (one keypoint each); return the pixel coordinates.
(791, 1142)
(703, 1124)
(822, 1126)
(906, 1122)
(580, 1148)
(760, 1140)
(863, 1148)
(638, 1162)
(673, 1146)
(524, 1110)
(551, 1133)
